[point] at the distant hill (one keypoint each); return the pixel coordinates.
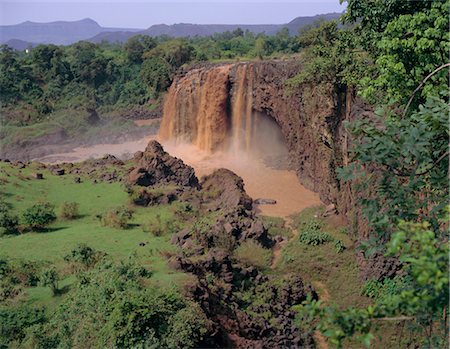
(21, 36)
(59, 33)
(19, 45)
(189, 30)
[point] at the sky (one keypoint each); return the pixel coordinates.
(144, 13)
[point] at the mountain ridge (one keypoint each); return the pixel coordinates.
(69, 32)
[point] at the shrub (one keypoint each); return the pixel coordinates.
(15, 321)
(8, 221)
(83, 254)
(311, 234)
(276, 226)
(251, 253)
(69, 210)
(187, 327)
(117, 217)
(339, 246)
(39, 215)
(314, 238)
(160, 226)
(50, 277)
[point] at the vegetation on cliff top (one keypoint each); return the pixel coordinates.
(394, 55)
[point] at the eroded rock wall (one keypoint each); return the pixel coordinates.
(311, 118)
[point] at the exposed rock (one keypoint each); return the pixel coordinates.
(265, 201)
(58, 171)
(155, 166)
(378, 266)
(224, 190)
(37, 175)
(330, 210)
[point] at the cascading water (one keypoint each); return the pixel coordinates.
(200, 109)
(242, 115)
(209, 122)
(196, 109)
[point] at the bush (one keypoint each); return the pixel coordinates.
(39, 215)
(70, 210)
(117, 217)
(314, 238)
(276, 226)
(15, 321)
(8, 221)
(160, 226)
(50, 277)
(339, 246)
(311, 234)
(251, 253)
(83, 254)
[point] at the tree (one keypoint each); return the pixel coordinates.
(176, 52)
(83, 254)
(260, 47)
(137, 45)
(39, 215)
(421, 303)
(8, 221)
(50, 278)
(87, 64)
(157, 74)
(407, 40)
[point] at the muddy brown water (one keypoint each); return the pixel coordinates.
(260, 180)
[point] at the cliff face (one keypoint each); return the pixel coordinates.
(224, 98)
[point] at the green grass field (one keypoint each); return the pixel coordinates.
(21, 191)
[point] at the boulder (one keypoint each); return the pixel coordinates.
(155, 166)
(265, 201)
(58, 171)
(223, 189)
(37, 175)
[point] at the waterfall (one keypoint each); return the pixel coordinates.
(201, 108)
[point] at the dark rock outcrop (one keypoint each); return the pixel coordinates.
(155, 166)
(224, 190)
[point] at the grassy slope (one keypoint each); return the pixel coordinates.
(63, 235)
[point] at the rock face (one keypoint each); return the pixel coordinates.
(225, 190)
(311, 119)
(154, 165)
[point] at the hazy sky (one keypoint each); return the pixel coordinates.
(142, 14)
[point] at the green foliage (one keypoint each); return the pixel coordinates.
(8, 221)
(14, 322)
(420, 299)
(39, 215)
(117, 217)
(83, 254)
(251, 253)
(137, 45)
(407, 41)
(50, 277)
(410, 159)
(15, 275)
(276, 226)
(330, 56)
(110, 308)
(339, 246)
(311, 234)
(70, 210)
(381, 290)
(161, 226)
(157, 74)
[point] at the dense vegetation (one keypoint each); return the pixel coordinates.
(394, 54)
(74, 90)
(107, 76)
(56, 292)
